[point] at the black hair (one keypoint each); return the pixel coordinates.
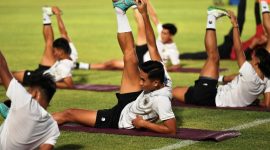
(46, 83)
(171, 27)
(263, 55)
(63, 44)
(154, 69)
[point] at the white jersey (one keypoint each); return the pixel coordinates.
(60, 69)
(28, 125)
(168, 52)
(243, 89)
(150, 106)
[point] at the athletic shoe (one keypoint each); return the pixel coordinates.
(4, 110)
(217, 12)
(47, 10)
(123, 4)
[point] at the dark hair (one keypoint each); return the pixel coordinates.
(46, 83)
(63, 44)
(171, 27)
(154, 69)
(263, 55)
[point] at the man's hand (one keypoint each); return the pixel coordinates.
(138, 122)
(233, 18)
(56, 10)
(142, 6)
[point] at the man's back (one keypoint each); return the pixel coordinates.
(28, 125)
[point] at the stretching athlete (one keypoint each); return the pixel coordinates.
(245, 88)
(145, 93)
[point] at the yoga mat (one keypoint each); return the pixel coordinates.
(182, 133)
(186, 70)
(95, 87)
(176, 103)
(193, 70)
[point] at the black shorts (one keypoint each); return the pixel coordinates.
(29, 75)
(109, 118)
(202, 93)
(140, 51)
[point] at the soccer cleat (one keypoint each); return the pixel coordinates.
(47, 10)
(4, 110)
(123, 4)
(217, 12)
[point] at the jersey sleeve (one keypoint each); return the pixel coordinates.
(17, 94)
(74, 52)
(163, 108)
(246, 69)
(174, 55)
(63, 71)
(267, 87)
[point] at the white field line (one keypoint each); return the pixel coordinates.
(185, 143)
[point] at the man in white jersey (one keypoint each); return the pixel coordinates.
(165, 44)
(28, 125)
(244, 89)
(145, 94)
(58, 56)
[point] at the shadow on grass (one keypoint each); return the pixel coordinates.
(69, 147)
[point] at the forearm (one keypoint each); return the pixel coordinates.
(62, 84)
(159, 128)
(45, 147)
(152, 13)
(150, 37)
(238, 46)
(5, 74)
(61, 27)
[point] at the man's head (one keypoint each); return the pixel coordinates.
(152, 75)
(42, 88)
(61, 48)
(167, 33)
(261, 57)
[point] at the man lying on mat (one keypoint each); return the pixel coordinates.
(252, 81)
(145, 94)
(165, 44)
(58, 58)
(28, 125)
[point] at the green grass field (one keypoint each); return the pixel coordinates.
(92, 26)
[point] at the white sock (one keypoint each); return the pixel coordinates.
(84, 66)
(211, 22)
(265, 7)
(122, 21)
(46, 19)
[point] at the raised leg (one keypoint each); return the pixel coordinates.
(48, 58)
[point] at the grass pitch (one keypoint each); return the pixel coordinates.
(92, 27)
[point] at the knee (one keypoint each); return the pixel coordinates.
(214, 57)
(67, 115)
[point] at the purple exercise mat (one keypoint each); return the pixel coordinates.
(182, 133)
(176, 103)
(95, 87)
(187, 70)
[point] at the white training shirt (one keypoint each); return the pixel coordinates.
(243, 89)
(28, 125)
(61, 69)
(168, 52)
(151, 106)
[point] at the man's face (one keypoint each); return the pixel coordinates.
(146, 83)
(166, 37)
(57, 52)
